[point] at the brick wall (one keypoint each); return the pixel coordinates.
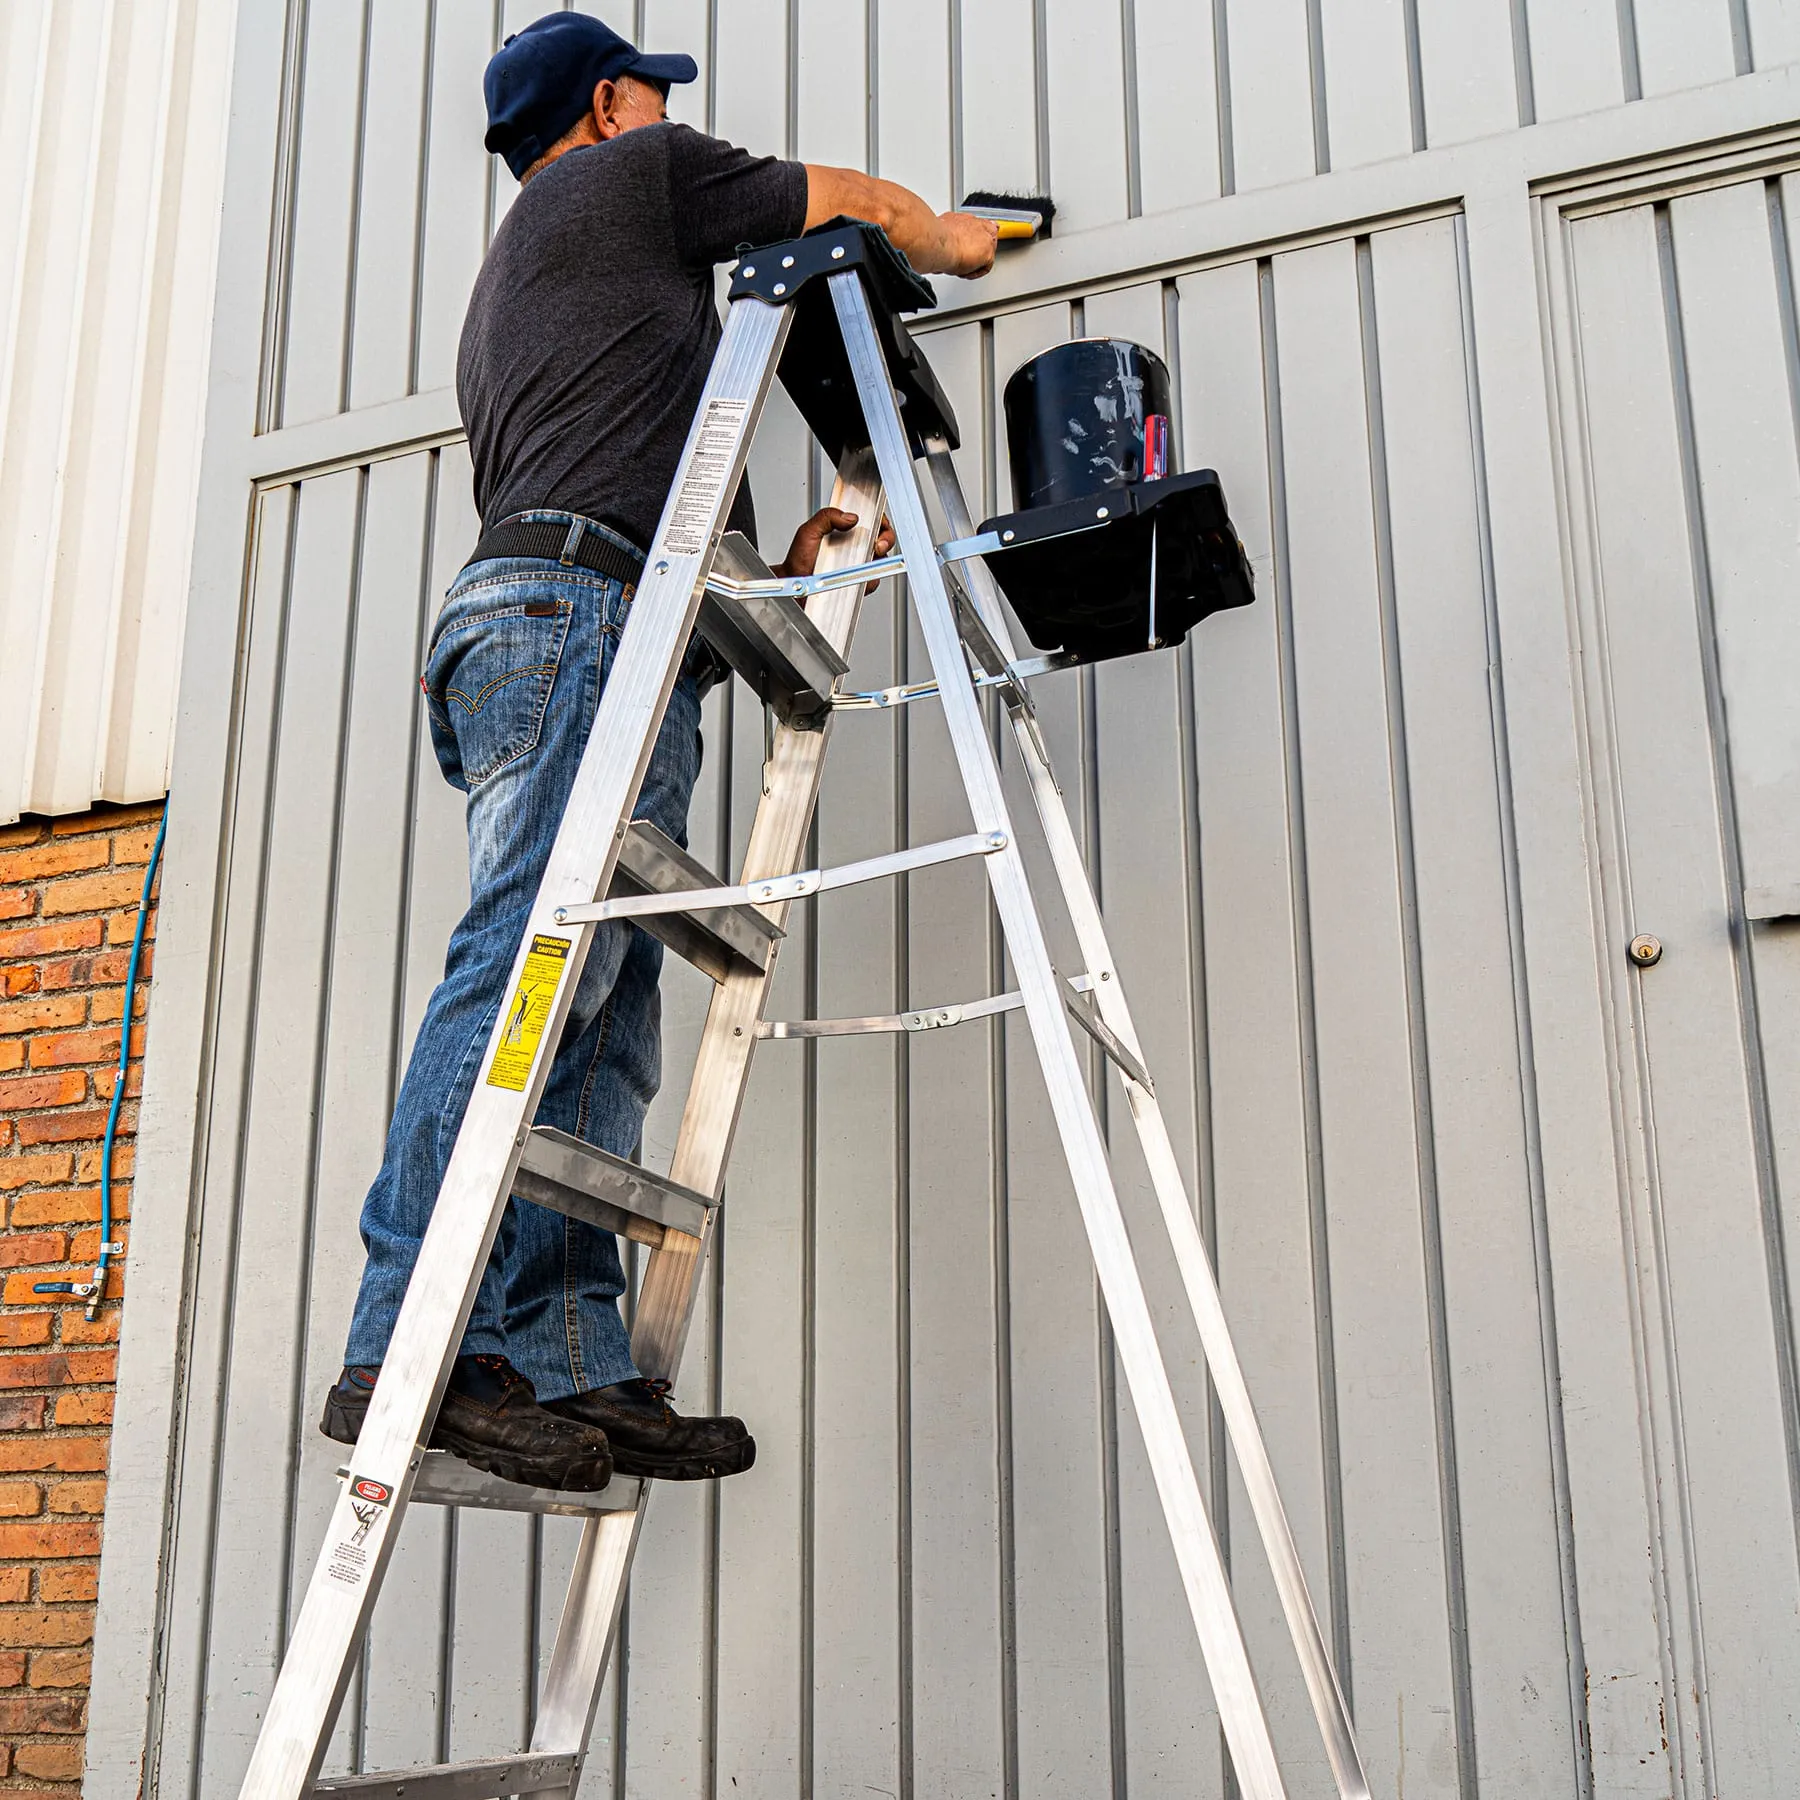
(68, 906)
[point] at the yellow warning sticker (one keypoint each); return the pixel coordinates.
(528, 1012)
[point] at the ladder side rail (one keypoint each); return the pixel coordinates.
(1198, 1280)
(777, 842)
(671, 1281)
(1196, 1548)
(316, 1667)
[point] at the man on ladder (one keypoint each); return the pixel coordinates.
(588, 341)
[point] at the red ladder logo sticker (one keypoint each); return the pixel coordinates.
(365, 1489)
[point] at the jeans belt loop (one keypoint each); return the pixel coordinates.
(572, 543)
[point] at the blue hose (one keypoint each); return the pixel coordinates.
(94, 1291)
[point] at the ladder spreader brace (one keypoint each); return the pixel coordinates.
(825, 308)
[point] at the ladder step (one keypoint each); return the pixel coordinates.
(486, 1780)
(568, 1176)
(716, 939)
(446, 1480)
(767, 638)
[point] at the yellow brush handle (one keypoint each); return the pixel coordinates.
(1014, 228)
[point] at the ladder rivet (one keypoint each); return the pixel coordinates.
(662, 568)
(781, 287)
(838, 254)
(749, 273)
(1645, 951)
(1006, 537)
(787, 262)
(1102, 512)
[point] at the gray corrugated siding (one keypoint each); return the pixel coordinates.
(1502, 1226)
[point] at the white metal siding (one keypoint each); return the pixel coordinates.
(111, 143)
(1503, 1227)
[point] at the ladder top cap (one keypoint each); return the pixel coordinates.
(777, 272)
(815, 365)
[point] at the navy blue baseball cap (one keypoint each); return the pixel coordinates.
(542, 79)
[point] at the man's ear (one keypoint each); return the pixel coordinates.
(606, 100)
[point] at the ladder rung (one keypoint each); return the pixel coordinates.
(767, 638)
(923, 1018)
(715, 939)
(568, 1176)
(797, 886)
(1077, 997)
(486, 1780)
(446, 1480)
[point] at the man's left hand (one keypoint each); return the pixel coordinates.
(803, 553)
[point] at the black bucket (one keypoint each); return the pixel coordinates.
(1084, 417)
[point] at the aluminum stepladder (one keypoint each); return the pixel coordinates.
(603, 867)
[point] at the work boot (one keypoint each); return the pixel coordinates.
(490, 1418)
(649, 1437)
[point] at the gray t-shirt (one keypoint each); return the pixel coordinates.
(592, 325)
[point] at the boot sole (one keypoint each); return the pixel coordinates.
(567, 1477)
(573, 1476)
(733, 1459)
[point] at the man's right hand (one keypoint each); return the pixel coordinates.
(971, 243)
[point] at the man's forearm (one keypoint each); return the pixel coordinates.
(934, 243)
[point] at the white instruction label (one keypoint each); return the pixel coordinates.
(348, 1560)
(715, 447)
(349, 1563)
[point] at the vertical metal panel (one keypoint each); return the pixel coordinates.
(266, 1262)
(456, 177)
(1092, 115)
(1178, 83)
(1365, 53)
(1575, 57)
(1147, 862)
(854, 1389)
(751, 107)
(393, 171)
(1681, 43)
(110, 128)
(1063, 1410)
(764, 1621)
(683, 25)
(1505, 1515)
(1731, 253)
(915, 99)
(358, 1071)
(1369, 1153)
(998, 125)
(1272, 135)
(1256, 997)
(1774, 31)
(831, 94)
(185, 1675)
(1466, 62)
(1718, 1432)
(326, 176)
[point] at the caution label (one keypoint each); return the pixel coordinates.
(697, 499)
(527, 1013)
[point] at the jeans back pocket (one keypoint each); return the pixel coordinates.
(488, 680)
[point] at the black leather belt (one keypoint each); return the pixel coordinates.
(575, 546)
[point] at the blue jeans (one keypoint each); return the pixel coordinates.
(518, 660)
